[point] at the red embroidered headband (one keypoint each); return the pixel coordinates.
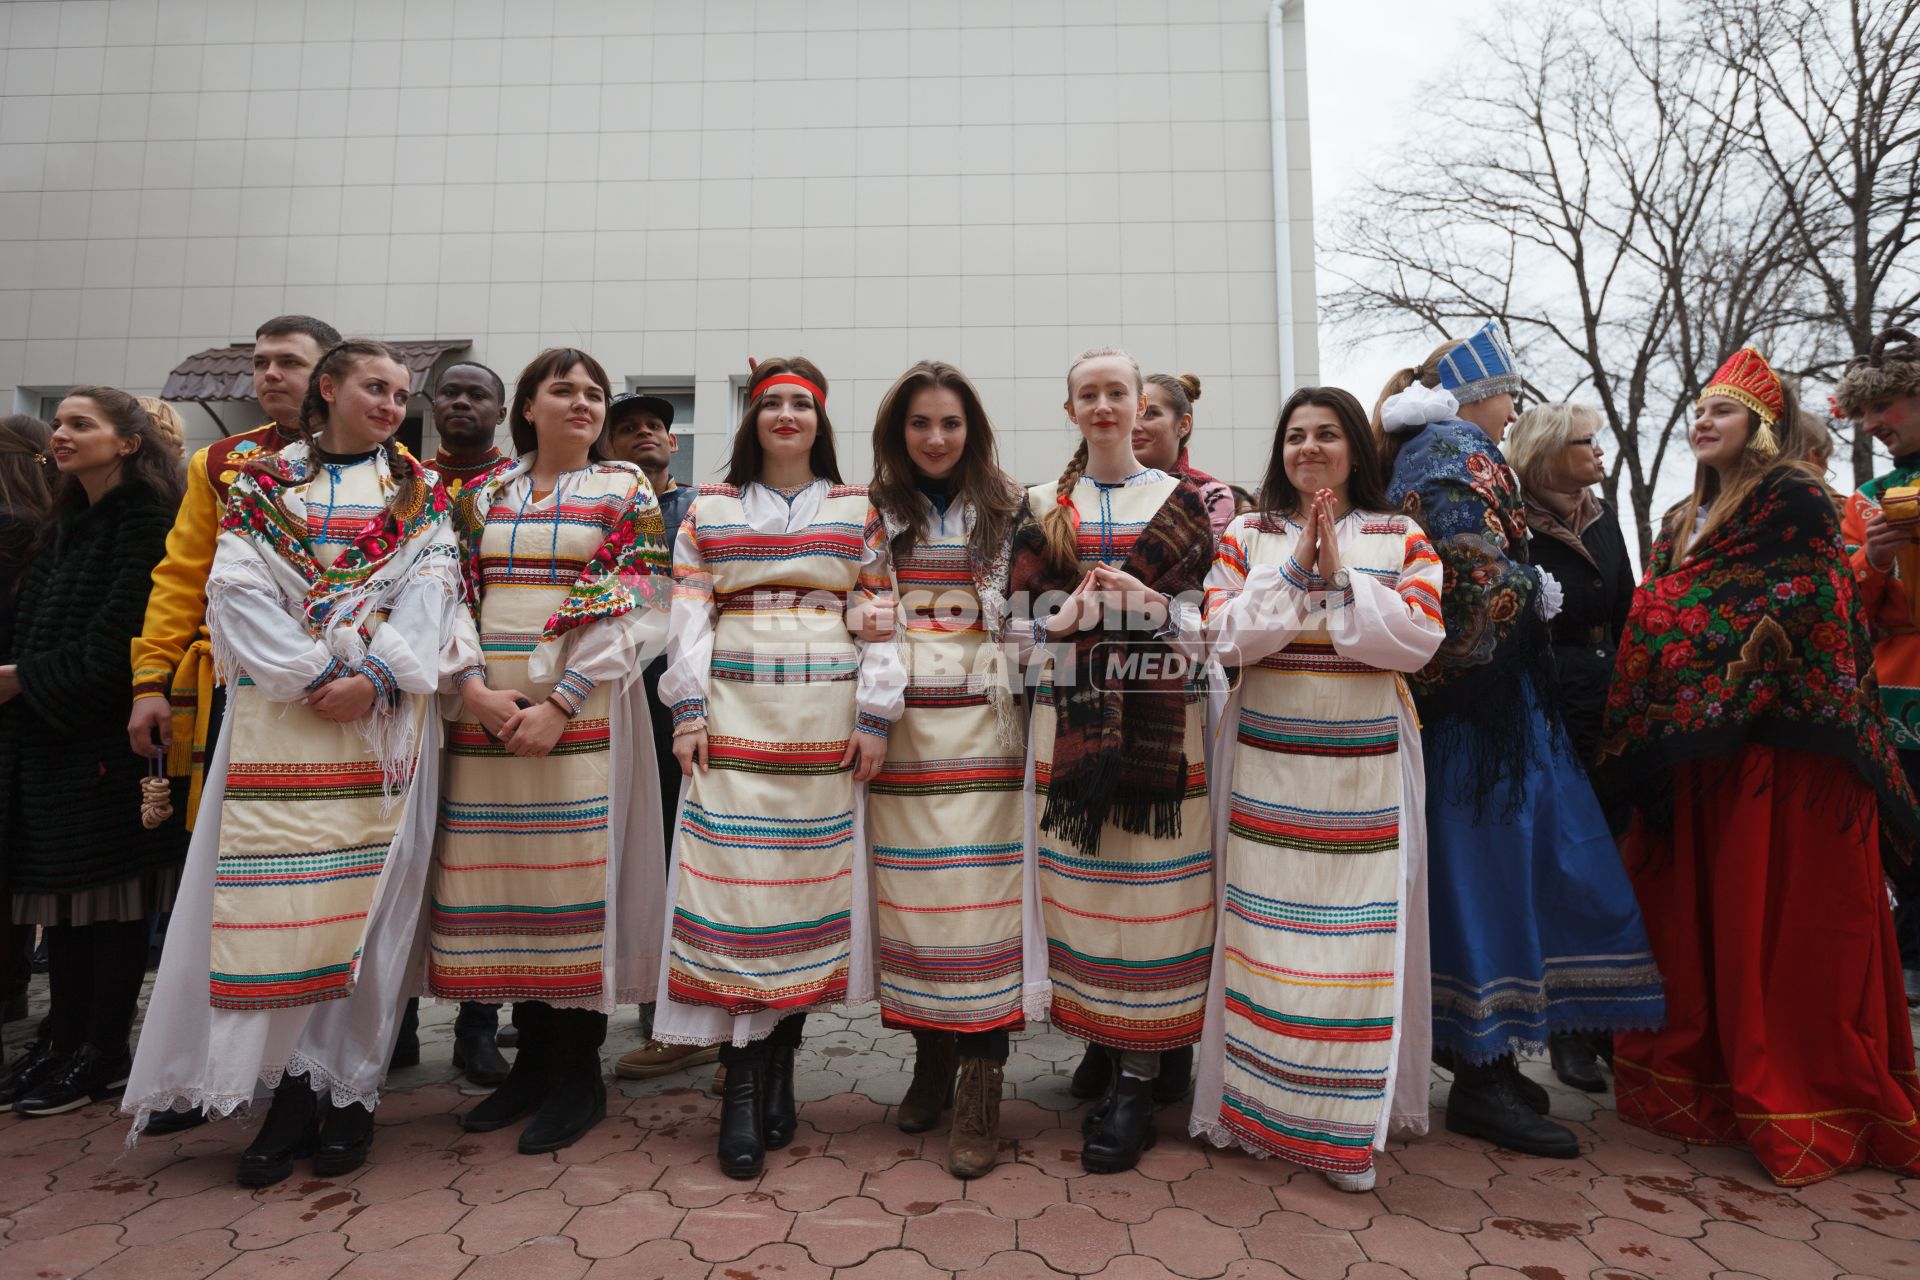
(790, 380)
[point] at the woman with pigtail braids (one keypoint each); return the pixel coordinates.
(1121, 854)
(333, 592)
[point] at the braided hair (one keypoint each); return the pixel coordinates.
(1061, 522)
(341, 359)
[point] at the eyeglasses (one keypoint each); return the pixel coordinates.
(1591, 442)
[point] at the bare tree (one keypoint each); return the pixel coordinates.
(1573, 195)
(1832, 126)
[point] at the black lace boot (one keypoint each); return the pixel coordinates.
(1126, 1132)
(525, 1087)
(577, 1100)
(1575, 1062)
(779, 1114)
(743, 1148)
(286, 1135)
(1485, 1103)
(346, 1135)
(1097, 1114)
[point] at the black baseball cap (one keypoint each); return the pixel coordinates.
(658, 406)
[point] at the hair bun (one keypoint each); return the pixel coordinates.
(1427, 376)
(1191, 382)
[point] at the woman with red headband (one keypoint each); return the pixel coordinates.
(1744, 724)
(1122, 852)
(779, 718)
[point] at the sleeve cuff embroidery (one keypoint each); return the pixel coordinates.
(467, 673)
(878, 726)
(334, 670)
(1299, 578)
(386, 689)
(689, 709)
(572, 690)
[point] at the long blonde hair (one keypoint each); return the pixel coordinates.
(1061, 522)
(1720, 497)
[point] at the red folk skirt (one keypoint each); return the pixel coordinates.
(1786, 1020)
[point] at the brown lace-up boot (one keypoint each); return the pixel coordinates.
(973, 1144)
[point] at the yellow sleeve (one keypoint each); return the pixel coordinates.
(177, 609)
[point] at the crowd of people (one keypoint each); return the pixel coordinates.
(1273, 798)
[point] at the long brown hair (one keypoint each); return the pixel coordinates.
(1427, 374)
(339, 360)
(743, 467)
(1060, 522)
(551, 363)
(1799, 436)
(977, 478)
(152, 463)
(26, 485)
(1366, 485)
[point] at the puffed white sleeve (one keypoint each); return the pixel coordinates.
(255, 633)
(683, 685)
(1253, 610)
(406, 653)
(1391, 622)
(880, 686)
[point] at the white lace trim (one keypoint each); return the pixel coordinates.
(219, 1106)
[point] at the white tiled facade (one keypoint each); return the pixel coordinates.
(673, 185)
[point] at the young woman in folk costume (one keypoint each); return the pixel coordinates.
(334, 590)
(547, 877)
(1122, 862)
(1533, 927)
(1745, 726)
(946, 816)
(778, 716)
(1319, 1030)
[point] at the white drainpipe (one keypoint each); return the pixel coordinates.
(1282, 201)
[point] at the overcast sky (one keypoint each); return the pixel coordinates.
(1366, 61)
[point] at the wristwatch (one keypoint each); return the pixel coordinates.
(1340, 579)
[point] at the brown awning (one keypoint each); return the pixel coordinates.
(226, 373)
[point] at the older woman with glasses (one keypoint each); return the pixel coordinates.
(1574, 534)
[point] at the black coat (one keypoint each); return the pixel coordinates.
(1598, 589)
(69, 784)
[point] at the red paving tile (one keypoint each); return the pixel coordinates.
(642, 1195)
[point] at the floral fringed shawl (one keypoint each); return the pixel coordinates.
(1120, 756)
(1756, 637)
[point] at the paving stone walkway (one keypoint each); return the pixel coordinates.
(854, 1197)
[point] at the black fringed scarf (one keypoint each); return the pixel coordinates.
(1119, 755)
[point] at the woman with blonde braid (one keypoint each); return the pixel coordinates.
(1121, 850)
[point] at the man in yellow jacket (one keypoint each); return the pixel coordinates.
(175, 703)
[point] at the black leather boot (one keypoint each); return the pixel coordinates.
(476, 1057)
(525, 1087)
(286, 1135)
(577, 1099)
(1176, 1076)
(1097, 1114)
(1094, 1074)
(1126, 1131)
(779, 1115)
(346, 1135)
(406, 1048)
(1575, 1061)
(1531, 1091)
(1485, 1103)
(743, 1149)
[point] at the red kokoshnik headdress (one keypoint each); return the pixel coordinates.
(1748, 378)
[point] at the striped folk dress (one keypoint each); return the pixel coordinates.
(1321, 945)
(1129, 928)
(530, 852)
(768, 916)
(946, 816)
(302, 890)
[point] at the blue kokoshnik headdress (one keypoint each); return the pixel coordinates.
(1480, 367)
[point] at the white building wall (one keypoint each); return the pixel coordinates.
(672, 185)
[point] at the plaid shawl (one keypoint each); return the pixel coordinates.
(1119, 755)
(1757, 637)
